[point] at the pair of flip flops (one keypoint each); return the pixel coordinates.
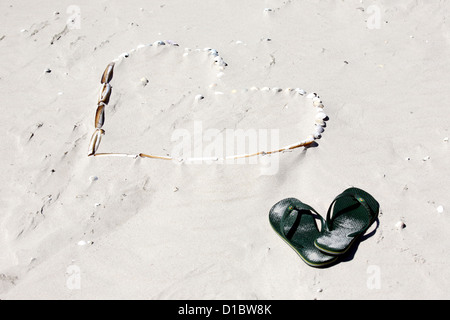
(349, 216)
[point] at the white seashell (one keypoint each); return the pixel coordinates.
(400, 225)
(199, 97)
(321, 115)
(95, 141)
(311, 95)
(141, 46)
(254, 89)
(446, 139)
(213, 52)
(440, 209)
(220, 75)
(265, 89)
(185, 54)
(219, 61)
(316, 102)
(319, 129)
(320, 122)
(300, 91)
(144, 81)
(81, 243)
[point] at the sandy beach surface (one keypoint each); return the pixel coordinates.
(79, 227)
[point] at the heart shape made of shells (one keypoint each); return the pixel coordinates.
(220, 64)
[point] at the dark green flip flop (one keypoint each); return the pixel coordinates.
(295, 223)
(350, 215)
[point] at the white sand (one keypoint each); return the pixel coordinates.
(385, 91)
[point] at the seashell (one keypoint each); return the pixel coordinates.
(400, 225)
(172, 43)
(320, 122)
(100, 115)
(141, 46)
(446, 139)
(254, 89)
(312, 95)
(213, 52)
(265, 89)
(144, 81)
(440, 209)
(95, 141)
(321, 115)
(81, 243)
(316, 102)
(300, 91)
(199, 97)
(93, 178)
(220, 62)
(319, 129)
(105, 93)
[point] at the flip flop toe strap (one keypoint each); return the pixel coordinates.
(354, 194)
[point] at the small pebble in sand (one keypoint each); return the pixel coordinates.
(400, 225)
(440, 209)
(93, 178)
(319, 290)
(266, 10)
(407, 158)
(426, 158)
(47, 70)
(175, 189)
